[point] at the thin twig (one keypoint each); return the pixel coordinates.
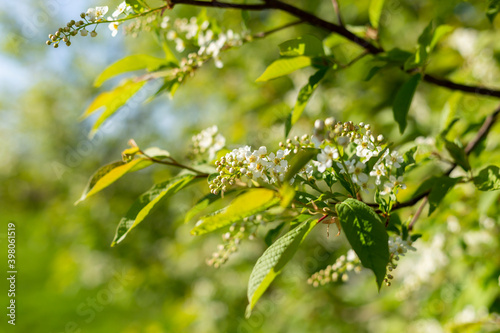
(335, 28)
(264, 34)
(417, 213)
(336, 8)
(176, 164)
(481, 134)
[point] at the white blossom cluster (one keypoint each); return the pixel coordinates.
(419, 268)
(397, 247)
(208, 142)
(209, 41)
(337, 271)
(123, 9)
(93, 16)
(231, 240)
(254, 165)
(350, 147)
(345, 151)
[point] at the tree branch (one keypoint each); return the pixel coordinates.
(264, 34)
(335, 28)
(481, 134)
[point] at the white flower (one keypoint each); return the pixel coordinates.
(165, 22)
(326, 157)
(114, 28)
(398, 247)
(91, 14)
(358, 177)
(365, 147)
(211, 141)
(351, 255)
(393, 185)
(394, 159)
(100, 12)
(84, 32)
(218, 63)
(171, 35)
(97, 13)
(123, 7)
(378, 171)
(179, 45)
(365, 187)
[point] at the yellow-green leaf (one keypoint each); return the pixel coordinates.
(283, 67)
(143, 206)
(307, 45)
(112, 101)
(305, 94)
(128, 64)
(271, 263)
(375, 11)
(110, 173)
(249, 203)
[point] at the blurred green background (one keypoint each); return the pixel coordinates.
(71, 280)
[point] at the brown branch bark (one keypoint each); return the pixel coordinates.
(335, 28)
(481, 134)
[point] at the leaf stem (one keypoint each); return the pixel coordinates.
(174, 163)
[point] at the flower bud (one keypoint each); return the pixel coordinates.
(330, 121)
(319, 124)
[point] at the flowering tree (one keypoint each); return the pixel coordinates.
(342, 172)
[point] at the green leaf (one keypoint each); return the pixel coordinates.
(305, 94)
(372, 72)
(156, 153)
(488, 179)
(110, 173)
(128, 64)
(169, 86)
(440, 187)
(112, 100)
(287, 193)
(249, 203)
(138, 5)
(396, 56)
(299, 161)
(142, 207)
(283, 67)
(343, 180)
(271, 263)
(493, 9)
(366, 234)
(409, 159)
(307, 45)
(419, 58)
(458, 154)
(203, 203)
(402, 102)
(288, 124)
(375, 11)
(439, 33)
(426, 43)
(273, 234)
(374, 159)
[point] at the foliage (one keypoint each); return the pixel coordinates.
(422, 75)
